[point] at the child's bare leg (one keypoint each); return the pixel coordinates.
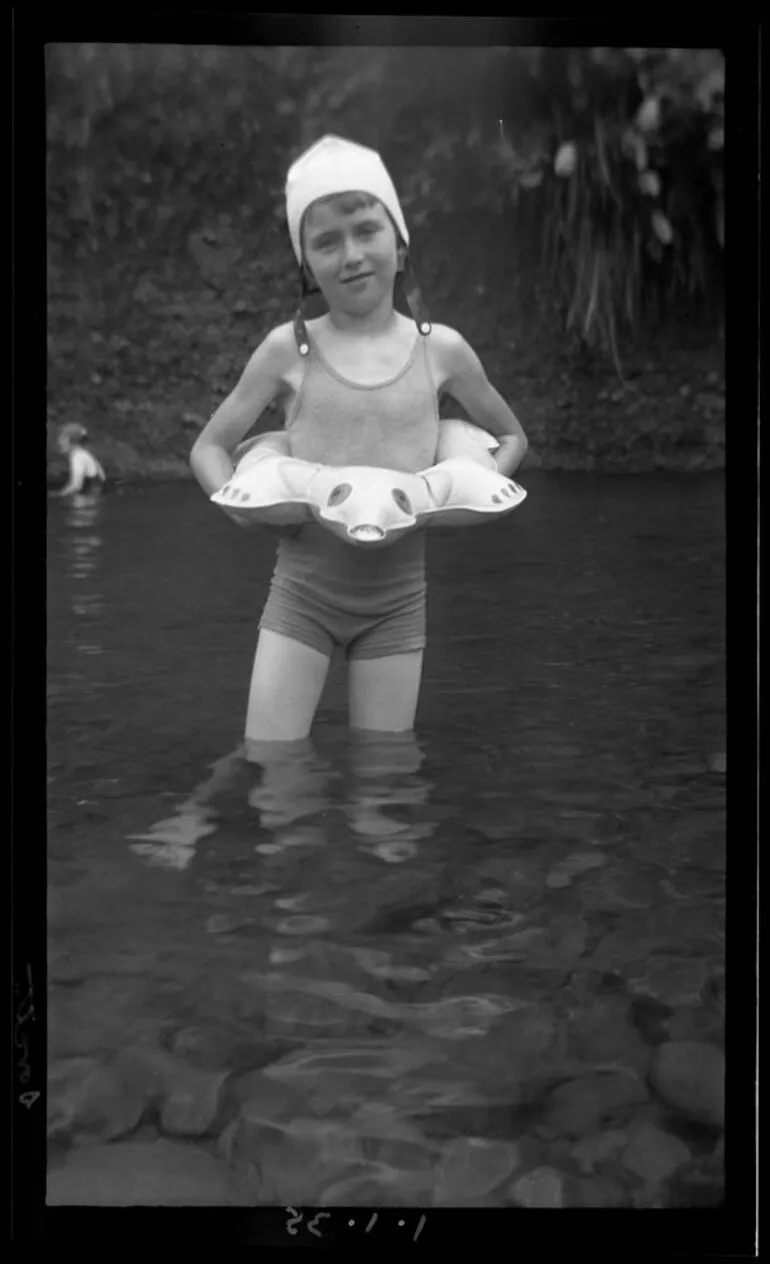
(384, 752)
(293, 784)
(383, 692)
(286, 686)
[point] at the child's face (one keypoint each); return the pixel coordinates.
(352, 252)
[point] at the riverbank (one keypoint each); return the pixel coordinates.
(144, 345)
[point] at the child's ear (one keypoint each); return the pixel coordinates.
(400, 258)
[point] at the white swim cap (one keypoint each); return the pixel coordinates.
(333, 165)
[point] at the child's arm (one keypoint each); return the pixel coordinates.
(463, 377)
(260, 383)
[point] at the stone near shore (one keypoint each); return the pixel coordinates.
(543, 1187)
(164, 1174)
(580, 1106)
(655, 1155)
(190, 1100)
(86, 1098)
(690, 1077)
(471, 1168)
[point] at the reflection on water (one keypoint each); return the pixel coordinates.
(439, 968)
(83, 542)
(292, 792)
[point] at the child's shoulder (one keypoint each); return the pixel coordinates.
(449, 352)
(279, 340)
(277, 353)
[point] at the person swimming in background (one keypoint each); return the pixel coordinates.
(85, 472)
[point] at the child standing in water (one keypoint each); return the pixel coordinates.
(359, 386)
(85, 472)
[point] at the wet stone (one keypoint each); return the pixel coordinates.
(471, 1167)
(602, 1032)
(377, 1186)
(564, 873)
(274, 1099)
(599, 1147)
(620, 890)
(581, 1105)
(288, 1162)
(84, 1097)
(674, 981)
(526, 1031)
(690, 1077)
(655, 1155)
(162, 1174)
(209, 1046)
(596, 1192)
(190, 1099)
(696, 1023)
(543, 1187)
(712, 992)
(649, 1016)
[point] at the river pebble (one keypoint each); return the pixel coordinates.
(577, 1107)
(543, 1187)
(164, 1173)
(655, 1155)
(690, 1077)
(190, 1099)
(470, 1167)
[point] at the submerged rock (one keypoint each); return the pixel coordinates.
(654, 1155)
(162, 1174)
(190, 1099)
(690, 1077)
(276, 1100)
(581, 1105)
(543, 1187)
(289, 1162)
(696, 1023)
(601, 1032)
(564, 873)
(209, 1046)
(596, 1192)
(84, 1097)
(471, 1167)
(598, 1148)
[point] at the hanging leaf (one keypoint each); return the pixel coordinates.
(648, 115)
(566, 158)
(662, 228)
(649, 183)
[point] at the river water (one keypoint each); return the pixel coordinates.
(478, 965)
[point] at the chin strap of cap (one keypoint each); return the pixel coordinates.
(414, 298)
(300, 328)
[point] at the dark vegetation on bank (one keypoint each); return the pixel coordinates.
(565, 208)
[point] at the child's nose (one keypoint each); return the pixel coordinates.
(353, 252)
